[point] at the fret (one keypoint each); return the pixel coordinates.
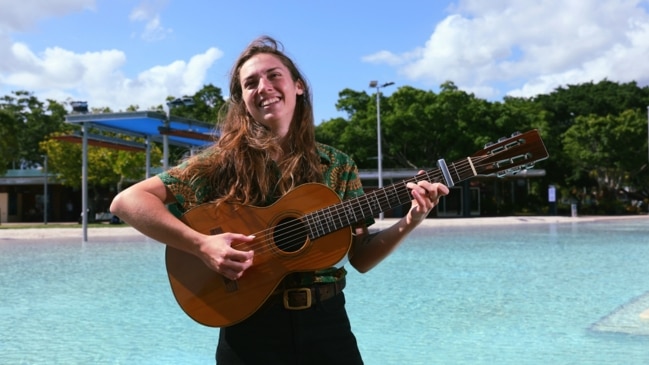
(342, 216)
(309, 223)
(457, 173)
(328, 220)
(377, 202)
(387, 198)
(395, 200)
(349, 211)
(318, 222)
(369, 205)
(340, 219)
(405, 193)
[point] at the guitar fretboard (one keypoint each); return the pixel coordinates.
(324, 221)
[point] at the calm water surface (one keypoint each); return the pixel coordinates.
(526, 294)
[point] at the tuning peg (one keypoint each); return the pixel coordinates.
(517, 133)
(502, 139)
(488, 144)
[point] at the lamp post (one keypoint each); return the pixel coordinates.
(184, 101)
(45, 190)
(378, 131)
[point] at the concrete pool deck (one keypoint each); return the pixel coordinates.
(13, 231)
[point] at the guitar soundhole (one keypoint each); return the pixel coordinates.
(290, 235)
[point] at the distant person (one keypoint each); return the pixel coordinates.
(267, 149)
(69, 211)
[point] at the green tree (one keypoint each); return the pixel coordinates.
(106, 166)
(8, 145)
(206, 105)
(31, 120)
(606, 149)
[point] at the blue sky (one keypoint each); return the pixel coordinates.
(116, 53)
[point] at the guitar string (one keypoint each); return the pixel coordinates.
(460, 168)
(283, 231)
(295, 228)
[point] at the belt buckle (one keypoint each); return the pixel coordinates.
(287, 302)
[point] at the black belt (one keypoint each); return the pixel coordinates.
(306, 297)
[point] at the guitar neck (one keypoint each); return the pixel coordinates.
(349, 212)
(508, 155)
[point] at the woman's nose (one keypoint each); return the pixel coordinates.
(264, 84)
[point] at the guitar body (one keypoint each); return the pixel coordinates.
(215, 301)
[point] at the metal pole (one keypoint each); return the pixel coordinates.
(147, 173)
(84, 181)
(378, 141)
(378, 132)
(45, 192)
(185, 101)
(165, 141)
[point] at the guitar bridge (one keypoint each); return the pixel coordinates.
(231, 286)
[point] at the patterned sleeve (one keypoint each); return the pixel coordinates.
(341, 175)
(188, 194)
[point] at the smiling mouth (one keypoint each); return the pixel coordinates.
(268, 102)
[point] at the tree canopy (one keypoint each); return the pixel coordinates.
(596, 133)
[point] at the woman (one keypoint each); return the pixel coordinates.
(267, 148)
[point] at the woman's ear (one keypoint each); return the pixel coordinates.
(299, 85)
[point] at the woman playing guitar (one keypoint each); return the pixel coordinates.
(266, 150)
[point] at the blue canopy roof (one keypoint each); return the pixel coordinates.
(181, 131)
(151, 125)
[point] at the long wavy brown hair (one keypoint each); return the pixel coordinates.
(238, 167)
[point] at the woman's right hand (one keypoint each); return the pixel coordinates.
(218, 254)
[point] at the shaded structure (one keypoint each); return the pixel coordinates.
(151, 126)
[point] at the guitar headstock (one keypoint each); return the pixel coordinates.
(510, 154)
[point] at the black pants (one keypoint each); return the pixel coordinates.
(277, 336)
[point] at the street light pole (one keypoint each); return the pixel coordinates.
(45, 197)
(378, 132)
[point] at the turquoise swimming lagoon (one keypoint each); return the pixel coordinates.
(543, 293)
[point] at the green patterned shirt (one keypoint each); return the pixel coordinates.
(339, 171)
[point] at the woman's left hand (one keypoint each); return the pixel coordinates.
(426, 196)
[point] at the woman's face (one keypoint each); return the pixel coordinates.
(269, 92)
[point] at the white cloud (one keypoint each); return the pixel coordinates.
(150, 87)
(531, 46)
(391, 59)
(98, 76)
(22, 17)
(149, 13)
(63, 75)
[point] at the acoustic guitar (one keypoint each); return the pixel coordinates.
(308, 229)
